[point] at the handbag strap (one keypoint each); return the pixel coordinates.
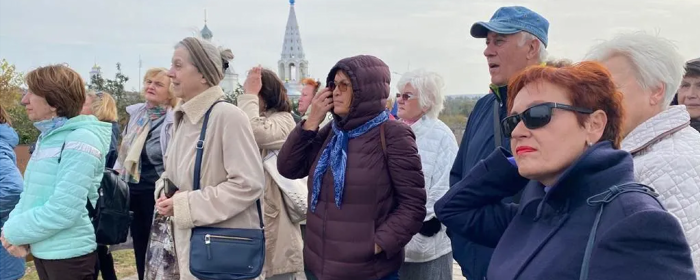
(602, 199)
(383, 138)
(198, 159)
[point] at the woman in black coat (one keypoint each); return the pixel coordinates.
(581, 215)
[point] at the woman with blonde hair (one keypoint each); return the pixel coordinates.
(140, 159)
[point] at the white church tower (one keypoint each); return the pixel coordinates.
(293, 66)
(230, 81)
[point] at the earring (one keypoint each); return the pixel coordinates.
(588, 143)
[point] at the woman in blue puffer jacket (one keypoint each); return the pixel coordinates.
(11, 268)
(51, 218)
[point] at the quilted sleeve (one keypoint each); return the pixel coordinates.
(81, 157)
(676, 177)
(441, 173)
(409, 190)
(10, 184)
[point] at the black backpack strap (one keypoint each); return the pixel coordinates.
(199, 155)
(602, 199)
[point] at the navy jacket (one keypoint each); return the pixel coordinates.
(112, 154)
(545, 236)
(477, 143)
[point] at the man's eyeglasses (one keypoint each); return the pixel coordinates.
(405, 96)
(342, 86)
(537, 116)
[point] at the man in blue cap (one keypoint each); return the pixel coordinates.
(516, 37)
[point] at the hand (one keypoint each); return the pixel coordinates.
(377, 249)
(430, 227)
(18, 251)
(253, 83)
(164, 205)
(5, 244)
(320, 105)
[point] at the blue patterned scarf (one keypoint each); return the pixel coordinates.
(336, 154)
(46, 126)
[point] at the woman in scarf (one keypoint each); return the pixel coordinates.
(140, 160)
(366, 187)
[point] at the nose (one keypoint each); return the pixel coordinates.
(25, 99)
(490, 50)
(171, 73)
(520, 131)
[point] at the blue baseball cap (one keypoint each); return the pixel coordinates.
(511, 20)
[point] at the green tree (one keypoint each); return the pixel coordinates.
(115, 87)
(11, 83)
(232, 97)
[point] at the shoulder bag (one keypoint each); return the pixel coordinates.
(224, 253)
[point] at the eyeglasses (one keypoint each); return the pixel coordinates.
(342, 86)
(405, 96)
(536, 116)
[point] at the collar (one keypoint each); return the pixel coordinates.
(198, 106)
(422, 125)
(658, 127)
(596, 170)
(501, 92)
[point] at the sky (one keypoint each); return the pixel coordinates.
(406, 34)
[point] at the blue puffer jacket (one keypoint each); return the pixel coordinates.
(11, 268)
(51, 215)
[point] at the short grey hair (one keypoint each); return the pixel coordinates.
(429, 89)
(213, 66)
(656, 60)
(542, 55)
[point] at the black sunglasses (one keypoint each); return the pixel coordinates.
(537, 116)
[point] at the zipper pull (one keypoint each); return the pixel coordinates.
(207, 239)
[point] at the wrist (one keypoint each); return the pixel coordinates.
(310, 125)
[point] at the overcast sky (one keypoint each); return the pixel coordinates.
(404, 33)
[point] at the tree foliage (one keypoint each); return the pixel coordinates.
(232, 97)
(11, 83)
(115, 87)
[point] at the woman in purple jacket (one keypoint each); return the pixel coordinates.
(581, 216)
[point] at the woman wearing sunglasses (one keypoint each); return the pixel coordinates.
(428, 255)
(581, 215)
(366, 195)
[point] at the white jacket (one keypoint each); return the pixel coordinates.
(666, 153)
(437, 148)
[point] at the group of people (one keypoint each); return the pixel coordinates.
(586, 170)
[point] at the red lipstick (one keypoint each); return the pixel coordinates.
(524, 149)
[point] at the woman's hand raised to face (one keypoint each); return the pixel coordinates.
(253, 83)
(320, 105)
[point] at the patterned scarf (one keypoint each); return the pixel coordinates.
(336, 154)
(141, 125)
(46, 126)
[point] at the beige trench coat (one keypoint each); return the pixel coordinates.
(283, 242)
(232, 172)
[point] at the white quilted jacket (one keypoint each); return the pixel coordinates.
(437, 148)
(666, 153)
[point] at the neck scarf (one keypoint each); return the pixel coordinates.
(336, 155)
(46, 126)
(133, 142)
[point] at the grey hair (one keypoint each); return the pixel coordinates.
(542, 55)
(655, 60)
(429, 89)
(217, 55)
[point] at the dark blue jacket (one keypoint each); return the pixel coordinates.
(545, 236)
(477, 143)
(112, 154)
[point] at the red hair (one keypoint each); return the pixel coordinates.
(588, 84)
(311, 82)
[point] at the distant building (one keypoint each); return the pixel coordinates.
(96, 71)
(293, 66)
(230, 81)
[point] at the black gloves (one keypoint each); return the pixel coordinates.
(430, 227)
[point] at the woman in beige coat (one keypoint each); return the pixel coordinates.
(232, 172)
(266, 103)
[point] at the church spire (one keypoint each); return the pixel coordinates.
(292, 65)
(206, 33)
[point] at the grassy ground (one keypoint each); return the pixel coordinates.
(123, 263)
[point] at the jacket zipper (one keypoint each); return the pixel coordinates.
(208, 237)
